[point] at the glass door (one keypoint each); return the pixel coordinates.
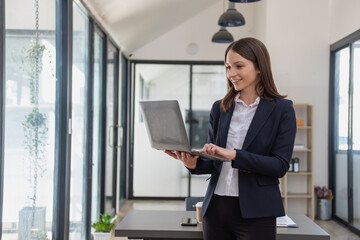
(342, 61)
(208, 85)
(79, 105)
(96, 131)
(112, 126)
(356, 135)
(346, 131)
(152, 168)
(196, 87)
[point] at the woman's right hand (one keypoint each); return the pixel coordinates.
(187, 159)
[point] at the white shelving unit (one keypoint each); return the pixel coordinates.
(297, 188)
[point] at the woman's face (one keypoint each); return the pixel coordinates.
(241, 72)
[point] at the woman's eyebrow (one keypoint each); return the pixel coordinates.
(235, 62)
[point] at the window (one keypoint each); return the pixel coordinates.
(196, 87)
(345, 129)
(79, 104)
(29, 122)
(96, 156)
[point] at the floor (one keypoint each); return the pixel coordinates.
(336, 231)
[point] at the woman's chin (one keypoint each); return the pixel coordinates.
(237, 88)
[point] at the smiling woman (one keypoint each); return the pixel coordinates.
(242, 74)
(254, 128)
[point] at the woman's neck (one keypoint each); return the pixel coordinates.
(248, 97)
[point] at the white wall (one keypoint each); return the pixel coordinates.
(297, 37)
(199, 31)
(344, 18)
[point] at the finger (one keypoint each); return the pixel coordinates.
(171, 154)
(178, 155)
(204, 147)
(207, 148)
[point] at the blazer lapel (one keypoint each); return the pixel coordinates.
(261, 115)
(224, 123)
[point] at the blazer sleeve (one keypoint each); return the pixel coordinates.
(204, 166)
(276, 163)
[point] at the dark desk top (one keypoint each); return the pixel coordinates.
(166, 224)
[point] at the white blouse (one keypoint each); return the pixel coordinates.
(227, 184)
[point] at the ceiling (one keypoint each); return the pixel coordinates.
(137, 22)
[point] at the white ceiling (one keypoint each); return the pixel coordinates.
(137, 22)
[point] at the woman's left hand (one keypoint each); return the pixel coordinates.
(212, 149)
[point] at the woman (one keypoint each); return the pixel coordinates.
(253, 127)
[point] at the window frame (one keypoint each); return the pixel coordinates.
(2, 104)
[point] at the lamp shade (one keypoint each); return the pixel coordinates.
(222, 36)
(244, 1)
(231, 18)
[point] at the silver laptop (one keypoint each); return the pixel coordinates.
(166, 129)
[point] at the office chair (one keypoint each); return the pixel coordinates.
(190, 203)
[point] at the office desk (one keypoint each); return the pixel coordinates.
(139, 224)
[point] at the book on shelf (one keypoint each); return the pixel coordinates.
(285, 221)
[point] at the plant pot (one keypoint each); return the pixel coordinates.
(101, 236)
(31, 219)
(323, 210)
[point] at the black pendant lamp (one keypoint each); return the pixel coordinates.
(244, 1)
(231, 18)
(222, 36)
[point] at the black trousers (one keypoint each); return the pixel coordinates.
(223, 221)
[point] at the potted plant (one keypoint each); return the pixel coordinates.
(35, 127)
(103, 227)
(323, 204)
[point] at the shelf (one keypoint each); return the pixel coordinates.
(299, 195)
(299, 173)
(304, 127)
(302, 150)
(300, 104)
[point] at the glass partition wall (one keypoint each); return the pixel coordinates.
(46, 85)
(345, 130)
(79, 105)
(196, 87)
(208, 85)
(96, 153)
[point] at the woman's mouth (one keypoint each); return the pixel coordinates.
(235, 81)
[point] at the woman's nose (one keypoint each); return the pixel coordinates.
(231, 73)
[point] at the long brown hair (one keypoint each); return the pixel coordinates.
(256, 52)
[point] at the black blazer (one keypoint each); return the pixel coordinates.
(266, 153)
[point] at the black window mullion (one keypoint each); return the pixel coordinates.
(190, 121)
(2, 104)
(350, 139)
(89, 131)
(124, 120)
(131, 113)
(103, 127)
(60, 227)
(333, 122)
(115, 123)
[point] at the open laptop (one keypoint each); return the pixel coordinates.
(166, 129)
